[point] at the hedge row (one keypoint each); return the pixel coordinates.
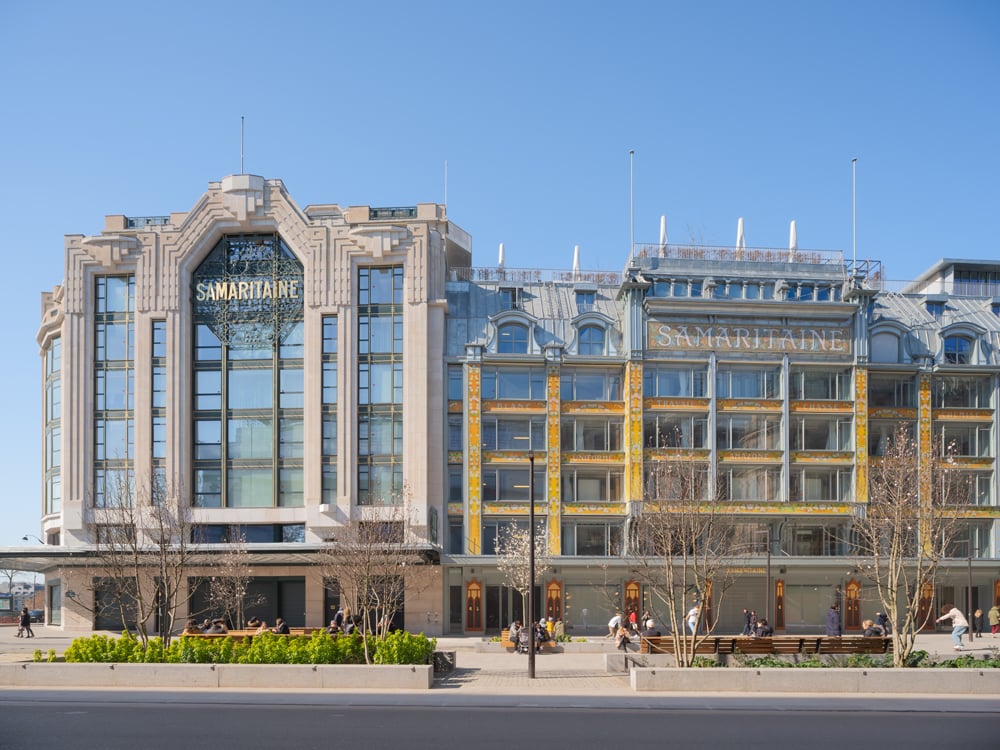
(398, 647)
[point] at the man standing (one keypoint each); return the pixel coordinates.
(833, 621)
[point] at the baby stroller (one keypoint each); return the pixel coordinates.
(522, 641)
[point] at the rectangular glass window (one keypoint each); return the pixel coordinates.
(250, 389)
(159, 437)
(745, 382)
(380, 434)
(293, 346)
(330, 383)
(159, 339)
(250, 488)
(250, 438)
(291, 394)
(455, 423)
(329, 484)
(208, 390)
(591, 434)
(456, 536)
(115, 294)
(591, 486)
(380, 285)
(820, 434)
(159, 395)
(513, 433)
(207, 439)
(958, 439)
(748, 432)
(329, 334)
(114, 439)
(114, 390)
(113, 342)
(590, 385)
(208, 348)
(892, 390)
(750, 483)
(511, 484)
(456, 494)
(675, 431)
(674, 382)
(290, 483)
(456, 383)
(961, 392)
(208, 488)
(820, 485)
(380, 383)
(329, 434)
(291, 439)
(881, 433)
(515, 383)
(813, 384)
(380, 484)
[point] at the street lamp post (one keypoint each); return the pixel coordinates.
(531, 564)
(972, 635)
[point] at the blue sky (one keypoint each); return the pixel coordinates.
(733, 109)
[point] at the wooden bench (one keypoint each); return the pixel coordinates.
(664, 644)
(507, 643)
(854, 644)
(779, 644)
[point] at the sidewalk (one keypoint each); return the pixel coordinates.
(482, 667)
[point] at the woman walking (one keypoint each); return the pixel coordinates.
(25, 623)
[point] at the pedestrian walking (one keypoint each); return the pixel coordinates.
(24, 622)
(994, 615)
(833, 621)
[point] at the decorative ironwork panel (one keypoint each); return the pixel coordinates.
(249, 291)
(474, 469)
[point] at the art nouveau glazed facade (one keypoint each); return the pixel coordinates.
(285, 367)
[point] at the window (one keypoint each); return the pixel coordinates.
(820, 434)
(748, 432)
(512, 338)
(513, 433)
(591, 342)
(958, 439)
(590, 385)
(455, 432)
(510, 298)
(886, 347)
(456, 383)
(881, 433)
(810, 384)
(675, 431)
(494, 530)
(592, 539)
(957, 350)
(512, 484)
(745, 382)
(820, 485)
(936, 309)
(759, 483)
(892, 391)
(585, 300)
(456, 492)
(591, 485)
(674, 382)
(520, 383)
(961, 392)
(380, 286)
(591, 434)
(814, 540)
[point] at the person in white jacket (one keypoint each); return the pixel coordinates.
(959, 625)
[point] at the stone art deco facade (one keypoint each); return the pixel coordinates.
(287, 367)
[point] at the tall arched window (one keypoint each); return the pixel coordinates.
(591, 340)
(957, 350)
(512, 338)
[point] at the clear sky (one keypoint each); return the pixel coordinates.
(733, 109)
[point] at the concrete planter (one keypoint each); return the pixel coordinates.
(263, 676)
(807, 681)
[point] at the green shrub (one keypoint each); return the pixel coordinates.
(400, 647)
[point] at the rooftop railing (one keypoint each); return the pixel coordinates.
(534, 275)
(736, 254)
(139, 222)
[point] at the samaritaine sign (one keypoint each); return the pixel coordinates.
(725, 338)
(249, 291)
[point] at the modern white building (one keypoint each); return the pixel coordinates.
(282, 368)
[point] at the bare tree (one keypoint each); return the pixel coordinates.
(143, 553)
(512, 560)
(374, 558)
(902, 534)
(681, 546)
(228, 587)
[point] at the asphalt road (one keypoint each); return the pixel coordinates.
(92, 720)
